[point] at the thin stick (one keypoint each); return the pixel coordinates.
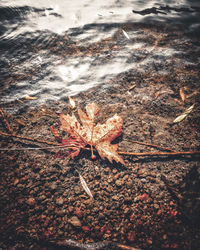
(39, 148)
(5, 121)
(160, 153)
(152, 145)
(29, 138)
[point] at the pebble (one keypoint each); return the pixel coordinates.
(85, 229)
(115, 197)
(131, 236)
(107, 170)
(119, 183)
(59, 201)
(128, 199)
(53, 186)
(70, 209)
(142, 173)
(116, 176)
(16, 182)
(114, 171)
(74, 220)
(153, 174)
(77, 190)
(129, 183)
(109, 189)
(126, 210)
(156, 206)
(41, 197)
(30, 201)
(78, 212)
(143, 180)
(125, 177)
(101, 216)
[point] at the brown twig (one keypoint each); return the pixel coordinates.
(6, 122)
(160, 153)
(28, 138)
(152, 145)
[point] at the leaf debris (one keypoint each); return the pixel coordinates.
(184, 114)
(182, 94)
(72, 102)
(85, 186)
(100, 135)
(126, 34)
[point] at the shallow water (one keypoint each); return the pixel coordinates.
(54, 49)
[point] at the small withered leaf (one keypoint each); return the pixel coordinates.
(100, 135)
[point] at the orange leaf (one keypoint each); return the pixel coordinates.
(182, 94)
(100, 136)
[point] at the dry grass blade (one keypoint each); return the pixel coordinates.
(126, 34)
(85, 186)
(72, 102)
(30, 98)
(184, 114)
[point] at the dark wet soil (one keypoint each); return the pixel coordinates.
(151, 203)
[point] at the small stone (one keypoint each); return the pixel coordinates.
(78, 212)
(30, 201)
(131, 236)
(153, 174)
(101, 216)
(41, 197)
(119, 183)
(125, 177)
(88, 201)
(128, 199)
(115, 197)
(16, 182)
(70, 209)
(126, 211)
(53, 186)
(74, 220)
(156, 206)
(107, 170)
(143, 180)
(129, 183)
(77, 190)
(164, 237)
(109, 189)
(41, 171)
(59, 201)
(85, 229)
(116, 176)
(114, 171)
(144, 197)
(142, 173)
(110, 180)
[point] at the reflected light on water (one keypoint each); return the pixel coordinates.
(71, 73)
(57, 48)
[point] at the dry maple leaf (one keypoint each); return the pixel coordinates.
(100, 135)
